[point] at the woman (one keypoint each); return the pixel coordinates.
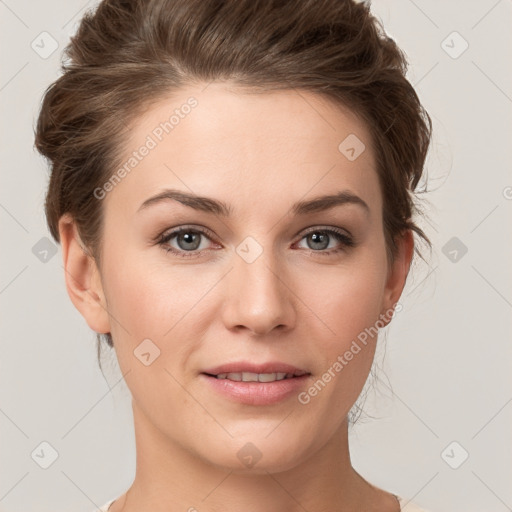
(232, 186)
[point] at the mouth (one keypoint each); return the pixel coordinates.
(244, 371)
(257, 377)
(256, 384)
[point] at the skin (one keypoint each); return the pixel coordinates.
(258, 153)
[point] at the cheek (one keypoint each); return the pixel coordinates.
(153, 309)
(345, 299)
(345, 304)
(150, 300)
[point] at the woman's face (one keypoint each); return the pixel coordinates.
(257, 277)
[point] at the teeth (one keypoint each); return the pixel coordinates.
(255, 377)
(250, 377)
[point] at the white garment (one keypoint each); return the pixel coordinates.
(105, 507)
(409, 506)
(405, 506)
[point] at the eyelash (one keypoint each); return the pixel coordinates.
(345, 240)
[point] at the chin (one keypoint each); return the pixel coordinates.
(252, 455)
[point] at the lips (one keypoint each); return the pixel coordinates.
(249, 372)
(255, 377)
(252, 384)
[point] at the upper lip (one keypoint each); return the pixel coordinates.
(247, 367)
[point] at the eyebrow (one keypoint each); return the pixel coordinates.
(209, 205)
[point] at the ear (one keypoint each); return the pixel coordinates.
(397, 274)
(83, 280)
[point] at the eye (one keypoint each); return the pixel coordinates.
(187, 242)
(320, 239)
(187, 239)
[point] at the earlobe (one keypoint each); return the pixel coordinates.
(83, 280)
(398, 274)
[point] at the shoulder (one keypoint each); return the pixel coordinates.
(409, 506)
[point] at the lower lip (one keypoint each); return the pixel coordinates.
(257, 393)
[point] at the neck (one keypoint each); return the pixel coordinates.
(169, 477)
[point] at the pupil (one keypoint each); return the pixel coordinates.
(190, 238)
(319, 238)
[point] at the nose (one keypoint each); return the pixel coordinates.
(258, 298)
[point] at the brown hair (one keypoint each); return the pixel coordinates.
(129, 53)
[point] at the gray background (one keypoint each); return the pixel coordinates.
(446, 369)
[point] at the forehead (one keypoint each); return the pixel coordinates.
(274, 144)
